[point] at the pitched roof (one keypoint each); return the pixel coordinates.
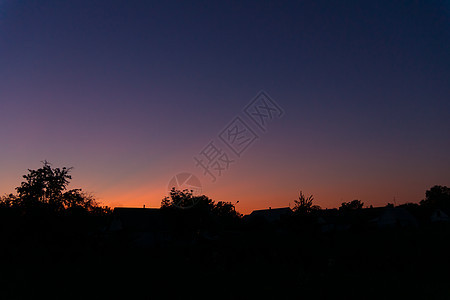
(271, 214)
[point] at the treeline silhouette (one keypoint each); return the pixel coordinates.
(62, 244)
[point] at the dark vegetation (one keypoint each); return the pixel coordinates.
(61, 244)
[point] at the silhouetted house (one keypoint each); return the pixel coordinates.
(330, 220)
(136, 219)
(271, 214)
(395, 217)
(143, 226)
(439, 215)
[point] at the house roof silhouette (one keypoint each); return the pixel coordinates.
(271, 214)
(397, 216)
(138, 219)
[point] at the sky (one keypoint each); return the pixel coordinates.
(130, 93)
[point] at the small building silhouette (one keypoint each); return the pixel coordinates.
(142, 226)
(271, 214)
(395, 217)
(439, 215)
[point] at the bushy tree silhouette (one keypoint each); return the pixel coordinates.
(186, 200)
(46, 189)
(44, 186)
(352, 205)
(437, 197)
(225, 209)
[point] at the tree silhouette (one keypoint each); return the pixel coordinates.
(225, 210)
(352, 205)
(46, 188)
(186, 200)
(304, 205)
(437, 197)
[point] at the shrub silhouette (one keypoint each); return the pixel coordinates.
(304, 205)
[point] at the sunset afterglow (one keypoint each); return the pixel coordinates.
(129, 94)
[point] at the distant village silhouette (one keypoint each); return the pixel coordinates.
(64, 244)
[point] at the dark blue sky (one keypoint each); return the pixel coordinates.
(128, 92)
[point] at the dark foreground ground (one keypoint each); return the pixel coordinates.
(56, 263)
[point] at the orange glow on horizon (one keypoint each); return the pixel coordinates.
(151, 198)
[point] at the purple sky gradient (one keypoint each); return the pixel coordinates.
(128, 92)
